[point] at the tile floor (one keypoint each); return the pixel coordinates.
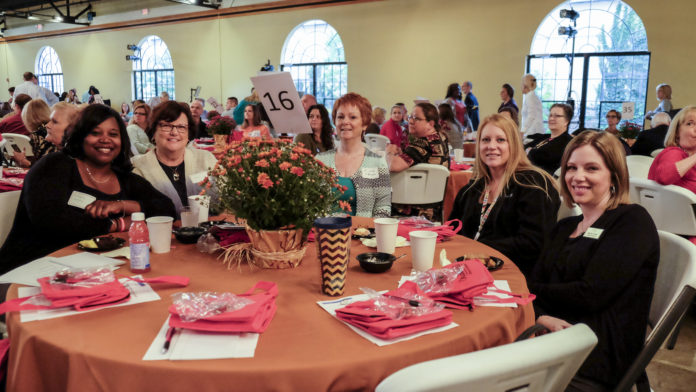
(675, 370)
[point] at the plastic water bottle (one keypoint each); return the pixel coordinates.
(139, 239)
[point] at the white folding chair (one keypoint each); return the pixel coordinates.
(565, 211)
(423, 183)
(654, 153)
(8, 209)
(21, 141)
(675, 288)
(544, 363)
(671, 207)
(638, 165)
(376, 142)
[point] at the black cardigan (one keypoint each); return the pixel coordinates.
(45, 222)
(520, 220)
(606, 283)
(548, 155)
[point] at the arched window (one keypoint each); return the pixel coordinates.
(48, 70)
(154, 71)
(610, 63)
(313, 54)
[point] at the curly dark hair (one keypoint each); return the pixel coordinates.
(326, 129)
(90, 118)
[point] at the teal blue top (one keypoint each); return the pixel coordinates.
(349, 195)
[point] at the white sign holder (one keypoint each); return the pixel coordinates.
(282, 102)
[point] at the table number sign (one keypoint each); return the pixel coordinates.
(628, 110)
(282, 102)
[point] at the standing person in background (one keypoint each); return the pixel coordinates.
(392, 128)
(199, 128)
(472, 109)
(532, 111)
(506, 95)
(87, 94)
(453, 97)
(13, 123)
(450, 126)
(378, 116)
(664, 95)
(31, 87)
(308, 100)
(231, 103)
(238, 113)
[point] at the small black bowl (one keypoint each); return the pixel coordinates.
(376, 262)
(189, 235)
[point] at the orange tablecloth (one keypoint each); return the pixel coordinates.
(456, 181)
(304, 349)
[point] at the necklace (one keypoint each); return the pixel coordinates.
(175, 172)
(89, 173)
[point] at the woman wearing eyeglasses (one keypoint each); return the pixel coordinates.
(613, 119)
(170, 167)
(547, 152)
(136, 129)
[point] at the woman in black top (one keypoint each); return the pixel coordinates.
(84, 191)
(509, 205)
(546, 152)
(599, 268)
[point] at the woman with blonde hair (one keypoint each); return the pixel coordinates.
(35, 115)
(598, 268)
(509, 204)
(136, 129)
(676, 164)
(663, 93)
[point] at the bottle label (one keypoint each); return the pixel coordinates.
(140, 256)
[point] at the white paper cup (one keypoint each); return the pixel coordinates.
(385, 230)
(160, 228)
(189, 217)
(422, 249)
(458, 154)
(200, 205)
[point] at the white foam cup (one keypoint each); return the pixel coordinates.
(458, 154)
(422, 249)
(385, 230)
(160, 229)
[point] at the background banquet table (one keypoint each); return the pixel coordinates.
(303, 349)
(456, 181)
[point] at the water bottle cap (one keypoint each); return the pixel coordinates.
(138, 216)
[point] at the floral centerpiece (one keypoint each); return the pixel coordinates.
(220, 127)
(279, 189)
(629, 130)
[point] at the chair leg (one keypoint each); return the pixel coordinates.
(642, 383)
(672, 341)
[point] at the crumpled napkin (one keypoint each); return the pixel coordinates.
(372, 242)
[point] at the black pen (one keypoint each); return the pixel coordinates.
(168, 339)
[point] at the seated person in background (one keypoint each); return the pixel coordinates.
(364, 173)
(511, 113)
(675, 164)
(239, 109)
(199, 128)
(230, 104)
(613, 119)
(378, 116)
(509, 204)
(136, 129)
(170, 167)
(664, 95)
(13, 123)
(321, 138)
(598, 268)
(392, 128)
(84, 191)
(450, 126)
(507, 94)
(547, 152)
(252, 126)
(35, 115)
(652, 139)
(429, 146)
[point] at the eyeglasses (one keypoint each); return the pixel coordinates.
(139, 114)
(612, 116)
(414, 118)
(170, 127)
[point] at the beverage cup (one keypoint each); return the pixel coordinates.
(385, 230)
(458, 154)
(189, 218)
(422, 249)
(333, 241)
(160, 228)
(200, 205)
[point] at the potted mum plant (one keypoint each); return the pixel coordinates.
(220, 128)
(279, 189)
(629, 131)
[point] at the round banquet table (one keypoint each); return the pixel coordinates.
(304, 348)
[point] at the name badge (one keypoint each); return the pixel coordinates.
(370, 173)
(593, 233)
(255, 134)
(80, 200)
(198, 177)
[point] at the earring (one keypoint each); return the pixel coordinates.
(612, 189)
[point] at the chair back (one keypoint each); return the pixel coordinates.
(423, 183)
(21, 141)
(564, 211)
(8, 209)
(638, 165)
(376, 142)
(675, 289)
(545, 363)
(670, 206)
(655, 153)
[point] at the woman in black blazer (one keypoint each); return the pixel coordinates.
(509, 205)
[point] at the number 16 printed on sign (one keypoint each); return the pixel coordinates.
(282, 102)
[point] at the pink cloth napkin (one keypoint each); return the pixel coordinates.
(14, 172)
(459, 166)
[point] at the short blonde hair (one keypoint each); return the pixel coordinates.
(69, 109)
(666, 90)
(614, 156)
(35, 113)
(672, 138)
(377, 111)
(530, 81)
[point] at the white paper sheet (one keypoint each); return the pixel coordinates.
(188, 345)
(28, 274)
(140, 292)
(500, 284)
(332, 305)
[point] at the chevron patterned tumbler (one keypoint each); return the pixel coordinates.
(333, 241)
